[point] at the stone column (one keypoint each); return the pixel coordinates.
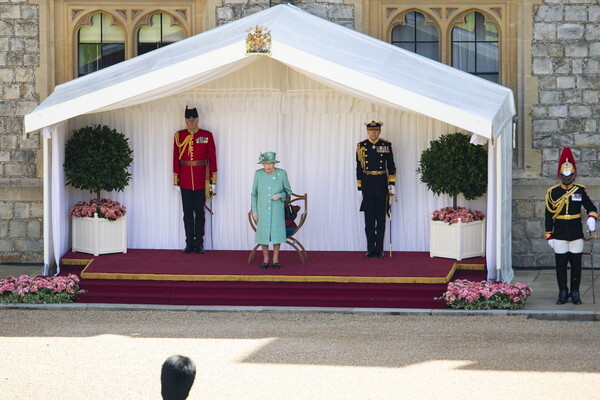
(20, 182)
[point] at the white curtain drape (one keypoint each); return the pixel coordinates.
(264, 107)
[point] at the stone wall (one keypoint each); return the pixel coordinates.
(333, 10)
(21, 191)
(566, 61)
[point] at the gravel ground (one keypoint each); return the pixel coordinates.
(103, 354)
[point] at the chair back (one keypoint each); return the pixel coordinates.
(296, 200)
(302, 201)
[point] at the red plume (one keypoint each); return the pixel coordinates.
(565, 155)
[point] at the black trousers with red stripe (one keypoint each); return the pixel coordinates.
(193, 216)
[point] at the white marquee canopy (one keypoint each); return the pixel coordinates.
(307, 101)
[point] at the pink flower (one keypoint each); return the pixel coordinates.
(105, 208)
(453, 216)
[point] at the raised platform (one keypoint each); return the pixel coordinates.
(328, 279)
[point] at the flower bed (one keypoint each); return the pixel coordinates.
(468, 295)
(104, 208)
(40, 290)
(451, 215)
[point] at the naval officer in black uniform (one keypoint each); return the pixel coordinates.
(375, 178)
(563, 226)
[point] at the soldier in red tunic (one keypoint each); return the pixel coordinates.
(195, 172)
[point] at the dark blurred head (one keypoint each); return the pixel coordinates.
(177, 377)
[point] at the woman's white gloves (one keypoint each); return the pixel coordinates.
(551, 242)
(591, 223)
(276, 196)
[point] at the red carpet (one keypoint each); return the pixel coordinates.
(224, 266)
(328, 279)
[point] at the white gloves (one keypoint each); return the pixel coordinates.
(276, 196)
(591, 223)
(178, 188)
(255, 217)
(392, 189)
(551, 242)
(213, 189)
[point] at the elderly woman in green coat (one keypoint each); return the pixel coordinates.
(269, 191)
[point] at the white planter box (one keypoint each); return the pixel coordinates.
(98, 235)
(457, 241)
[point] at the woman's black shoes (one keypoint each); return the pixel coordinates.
(266, 265)
(576, 298)
(563, 297)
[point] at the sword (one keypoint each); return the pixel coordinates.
(389, 214)
(593, 236)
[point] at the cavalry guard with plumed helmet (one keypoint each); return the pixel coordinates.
(564, 231)
(195, 173)
(375, 179)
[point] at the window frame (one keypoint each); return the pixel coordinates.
(129, 17)
(87, 22)
(486, 20)
(402, 20)
(146, 20)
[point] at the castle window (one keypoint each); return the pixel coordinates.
(417, 36)
(159, 33)
(475, 47)
(100, 44)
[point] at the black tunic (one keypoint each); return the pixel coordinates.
(563, 211)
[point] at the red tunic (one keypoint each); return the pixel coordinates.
(197, 148)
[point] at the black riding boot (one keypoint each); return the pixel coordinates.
(575, 261)
(561, 277)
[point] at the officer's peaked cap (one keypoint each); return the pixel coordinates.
(373, 125)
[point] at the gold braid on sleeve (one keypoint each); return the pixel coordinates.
(556, 206)
(361, 154)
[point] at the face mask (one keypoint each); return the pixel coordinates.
(567, 179)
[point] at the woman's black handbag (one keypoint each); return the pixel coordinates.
(290, 213)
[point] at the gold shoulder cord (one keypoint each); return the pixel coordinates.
(556, 206)
(361, 152)
(182, 145)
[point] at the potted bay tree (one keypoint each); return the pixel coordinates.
(97, 158)
(453, 166)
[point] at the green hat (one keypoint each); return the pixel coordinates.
(266, 157)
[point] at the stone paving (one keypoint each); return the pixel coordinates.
(117, 354)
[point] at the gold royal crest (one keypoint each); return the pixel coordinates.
(258, 40)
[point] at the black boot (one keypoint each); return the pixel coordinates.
(575, 261)
(576, 298)
(563, 297)
(561, 277)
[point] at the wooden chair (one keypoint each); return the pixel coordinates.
(299, 200)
